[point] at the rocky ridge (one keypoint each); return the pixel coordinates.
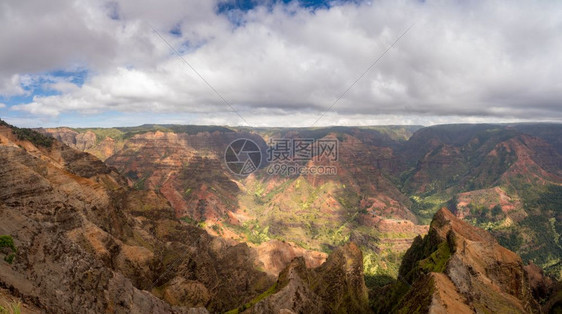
(462, 269)
(86, 241)
(336, 286)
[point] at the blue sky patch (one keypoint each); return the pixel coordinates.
(113, 9)
(247, 5)
(235, 9)
(176, 30)
(38, 85)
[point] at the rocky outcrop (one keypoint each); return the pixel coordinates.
(88, 243)
(542, 286)
(12, 303)
(188, 169)
(276, 255)
(335, 286)
(463, 267)
(88, 141)
(434, 293)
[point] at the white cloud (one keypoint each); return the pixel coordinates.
(468, 61)
(11, 86)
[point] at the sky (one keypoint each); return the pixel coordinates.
(279, 63)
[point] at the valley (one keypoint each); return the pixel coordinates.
(390, 181)
(161, 226)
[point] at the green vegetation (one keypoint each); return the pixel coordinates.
(102, 133)
(482, 213)
(294, 210)
(128, 132)
(496, 210)
(377, 281)
(437, 261)
(510, 240)
(429, 254)
(418, 299)
(546, 250)
(140, 184)
(385, 300)
(467, 158)
(550, 199)
(380, 268)
(537, 236)
(217, 229)
(425, 207)
(34, 137)
(254, 301)
(476, 159)
(252, 231)
(7, 242)
(123, 133)
(189, 220)
(11, 308)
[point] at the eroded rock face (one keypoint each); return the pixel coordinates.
(276, 255)
(541, 285)
(457, 261)
(435, 293)
(187, 169)
(186, 292)
(88, 141)
(335, 286)
(87, 243)
(340, 280)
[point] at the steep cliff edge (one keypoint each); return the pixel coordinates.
(86, 242)
(458, 267)
(337, 286)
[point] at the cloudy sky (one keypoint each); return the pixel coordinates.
(279, 63)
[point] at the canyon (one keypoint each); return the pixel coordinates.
(390, 181)
(148, 219)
